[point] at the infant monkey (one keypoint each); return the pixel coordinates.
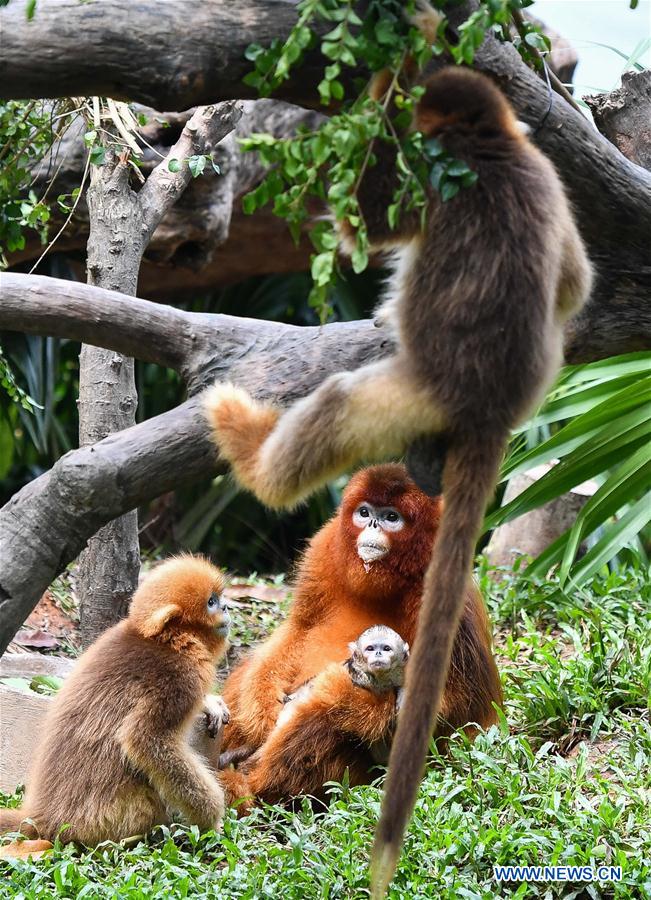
(378, 659)
(376, 663)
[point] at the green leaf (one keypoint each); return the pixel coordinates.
(457, 167)
(359, 259)
(322, 267)
(196, 164)
(437, 172)
(434, 148)
(615, 537)
(536, 40)
(174, 165)
(98, 155)
(623, 486)
(449, 189)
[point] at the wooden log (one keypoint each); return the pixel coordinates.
(534, 531)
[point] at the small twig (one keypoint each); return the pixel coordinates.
(207, 127)
(555, 82)
(68, 218)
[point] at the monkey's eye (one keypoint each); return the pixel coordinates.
(213, 602)
(392, 516)
(387, 649)
(369, 649)
(363, 511)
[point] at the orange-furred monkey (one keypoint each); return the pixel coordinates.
(364, 567)
(478, 300)
(115, 758)
(340, 722)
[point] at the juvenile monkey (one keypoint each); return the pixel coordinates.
(376, 663)
(115, 758)
(478, 299)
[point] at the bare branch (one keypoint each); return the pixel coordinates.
(35, 304)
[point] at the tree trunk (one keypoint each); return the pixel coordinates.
(121, 225)
(110, 564)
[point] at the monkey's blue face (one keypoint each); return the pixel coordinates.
(380, 655)
(217, 609)
(376, 524)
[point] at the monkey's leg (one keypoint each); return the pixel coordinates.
(371, 413)
(255, 690)
(175, 771)
(425, 462)
(575, 282)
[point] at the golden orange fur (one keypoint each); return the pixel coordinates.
(336, 598)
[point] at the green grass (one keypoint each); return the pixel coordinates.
(564, 779)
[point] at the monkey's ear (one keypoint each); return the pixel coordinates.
(353, 648)
(152, 624)
(406, 651)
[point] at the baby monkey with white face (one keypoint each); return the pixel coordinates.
(376, 663)
(377, 660)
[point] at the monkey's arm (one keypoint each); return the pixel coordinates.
(256, 689)
(153, 737)
(331, 730)
(371, 413)
(575, 282)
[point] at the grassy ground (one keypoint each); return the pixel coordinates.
(564, 779)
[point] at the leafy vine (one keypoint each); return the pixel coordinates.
(326, 165)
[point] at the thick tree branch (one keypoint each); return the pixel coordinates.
(35, 304)
(170, 55)
(46, 525)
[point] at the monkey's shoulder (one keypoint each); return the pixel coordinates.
(122, 665)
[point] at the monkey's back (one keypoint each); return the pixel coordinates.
(81, 776)
(477, 305)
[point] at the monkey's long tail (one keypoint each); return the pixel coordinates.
(471, 469)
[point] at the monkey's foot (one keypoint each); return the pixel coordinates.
(240, 425)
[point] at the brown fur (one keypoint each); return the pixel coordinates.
(335, 599)
(478, 300)
(115, 758)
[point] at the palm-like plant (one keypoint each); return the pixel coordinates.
(598, 423)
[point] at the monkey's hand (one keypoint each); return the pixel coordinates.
(216, 715)
(400, 696)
